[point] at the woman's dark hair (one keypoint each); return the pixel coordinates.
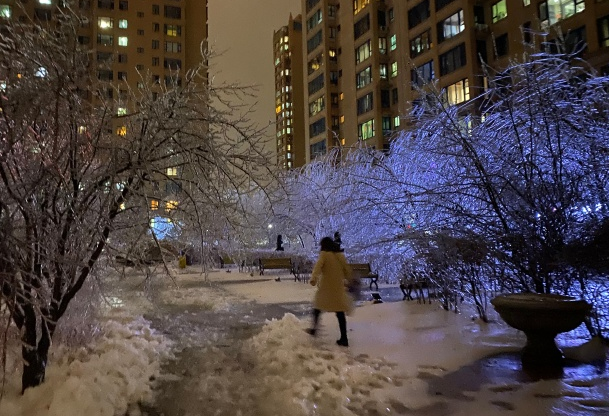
(327, 244)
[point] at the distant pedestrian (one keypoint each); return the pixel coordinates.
(338, 241)
(279, 243)
(330, 274)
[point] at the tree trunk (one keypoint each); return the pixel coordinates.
(33, 351)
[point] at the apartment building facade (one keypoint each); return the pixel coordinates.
(363, 59)
(289, 94)
(127, 38)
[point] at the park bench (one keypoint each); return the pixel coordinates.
(422, 287)
(363, 271)
(303, 270)
(276, 263)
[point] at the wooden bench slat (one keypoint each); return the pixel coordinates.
(363, 271)
(276, 263)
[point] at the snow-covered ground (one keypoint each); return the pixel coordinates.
(404, 358)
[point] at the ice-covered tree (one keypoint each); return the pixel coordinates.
(77, 168)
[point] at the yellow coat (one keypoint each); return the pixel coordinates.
(329, 274)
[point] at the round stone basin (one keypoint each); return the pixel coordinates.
(541, 317)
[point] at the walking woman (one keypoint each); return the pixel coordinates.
(330, 274)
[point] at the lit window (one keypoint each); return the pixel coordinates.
(44, 1)
(171, 205)
(41, 72)
(5, 11)
(121, 131)
(172, 171)
(365, 130)
(82, 129)
(394, 69)
(122, 111)
(123, 41)
(393, 42)
(122, 207)
(154, 204)
(553, 11)
(458, 92)
(499, 10)
(123, 24)
(396, 121)
(105, 22)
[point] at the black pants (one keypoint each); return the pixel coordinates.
(342, 322)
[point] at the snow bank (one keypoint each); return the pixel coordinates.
(108, 378)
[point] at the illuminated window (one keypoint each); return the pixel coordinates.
(5, 11)
(105, 22)
(123, 41)
(499, 10)
(365, 130)
(82, 129)
(172, 171)
(121, 131)
(44, 1)
(396, 121)
(393, 42)
(358, 5)
(173, 30)
(122, 111)
(457, 92)
(122, 207)
(451, 26)
(123, 24)
(154, 204)
(171, 205)
(553, 11)
(394, 69)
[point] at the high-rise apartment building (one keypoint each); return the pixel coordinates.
(128, 36)
(289, 94)
(363, 59)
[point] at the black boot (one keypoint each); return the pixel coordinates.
(342, 325)
(313, 331)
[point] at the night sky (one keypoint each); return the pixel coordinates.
(243, 30)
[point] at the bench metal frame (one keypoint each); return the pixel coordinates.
(363, 271)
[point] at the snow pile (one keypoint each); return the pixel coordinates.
(106, 379)
(301, 377)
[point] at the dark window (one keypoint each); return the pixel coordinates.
(42, 14)
(316, 84)
(173, 81)
(334, 77)
(418, 13)
(140, 14)
(139, 67)
(526, 30)
(385, 101)
(156, 61)
(361, 26)
(479, 15)
(603, 31)
(105, 4)
(318, 149)
(441, 3)
(122, 58)
(156, 9)
(140, 50)
(364, 104)
(104, 56)
(575, 41)
(104, 75)
(452, 60)
(155, 27)
(391, 15)
(173, 12)
(155, 44)
(363, 78)
(394, 96)
(317, 127)
(422, 74)
(420, 44)
(172, 63)
(501, 45)
(140, 32)
(386, 124)
(82, 4)
(382, 18)
(121, 75)
(314, 42)
(314, 20)
(123, 5)
(172, 187)
(84, 40)
(311, 4)
(105, 40)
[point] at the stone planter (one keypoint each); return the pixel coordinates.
(541, 317)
